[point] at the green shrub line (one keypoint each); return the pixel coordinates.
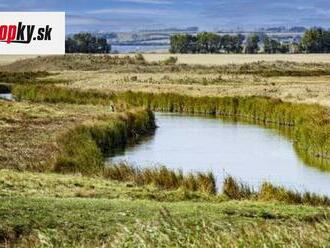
(82, 149)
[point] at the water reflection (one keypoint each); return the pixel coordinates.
(6, 96)
(245, 151)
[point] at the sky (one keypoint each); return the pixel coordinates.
(209, 15)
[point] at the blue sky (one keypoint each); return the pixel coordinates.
(128, 15)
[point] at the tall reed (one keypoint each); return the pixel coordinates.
(82, 148)
(162, 177)
(236, 190)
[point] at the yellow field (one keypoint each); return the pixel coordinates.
(223, 59)
(7, 59)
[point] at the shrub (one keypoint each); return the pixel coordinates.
(170, 61)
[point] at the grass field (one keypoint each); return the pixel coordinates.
(56, 192)
(223, 59)
(74, 211)
(213, 59)
(303, 82)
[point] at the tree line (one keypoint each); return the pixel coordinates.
(314, 40)
(86, 43)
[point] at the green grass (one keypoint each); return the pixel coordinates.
(57, 210)
(123, 206)
(80, 221)
(82, 148)
(201, 232)
(31, 184)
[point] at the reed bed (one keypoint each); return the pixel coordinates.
(168, 179)
(236, 190)
(311, 123)
(82, 148)
(162, 177)
(53, 94)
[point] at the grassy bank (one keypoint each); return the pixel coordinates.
(64, 137)
(311, 123)
(54, 210)
(82, 149)
(95, 223)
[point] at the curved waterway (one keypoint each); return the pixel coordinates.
(248, 152)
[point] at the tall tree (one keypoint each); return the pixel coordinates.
(316, 40)
(183, 43)
(86, 43)
(252, 45)
(208, 42)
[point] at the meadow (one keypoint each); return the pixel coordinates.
(290, 81)
(71, 111)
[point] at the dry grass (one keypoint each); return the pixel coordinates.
(314, 89)
(7, 59)
(268, 192)
(305, 82)
(224, 59)
(210, 59)
(28, 131)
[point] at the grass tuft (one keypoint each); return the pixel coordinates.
(236, 190)
(162, 177)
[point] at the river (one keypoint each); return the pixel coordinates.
(248, 152)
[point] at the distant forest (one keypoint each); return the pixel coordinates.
(86, 43)
(314, 40)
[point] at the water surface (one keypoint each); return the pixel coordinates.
(138, 48)
(7, 96)
(248, 152)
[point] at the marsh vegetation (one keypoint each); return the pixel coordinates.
(56, 190)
